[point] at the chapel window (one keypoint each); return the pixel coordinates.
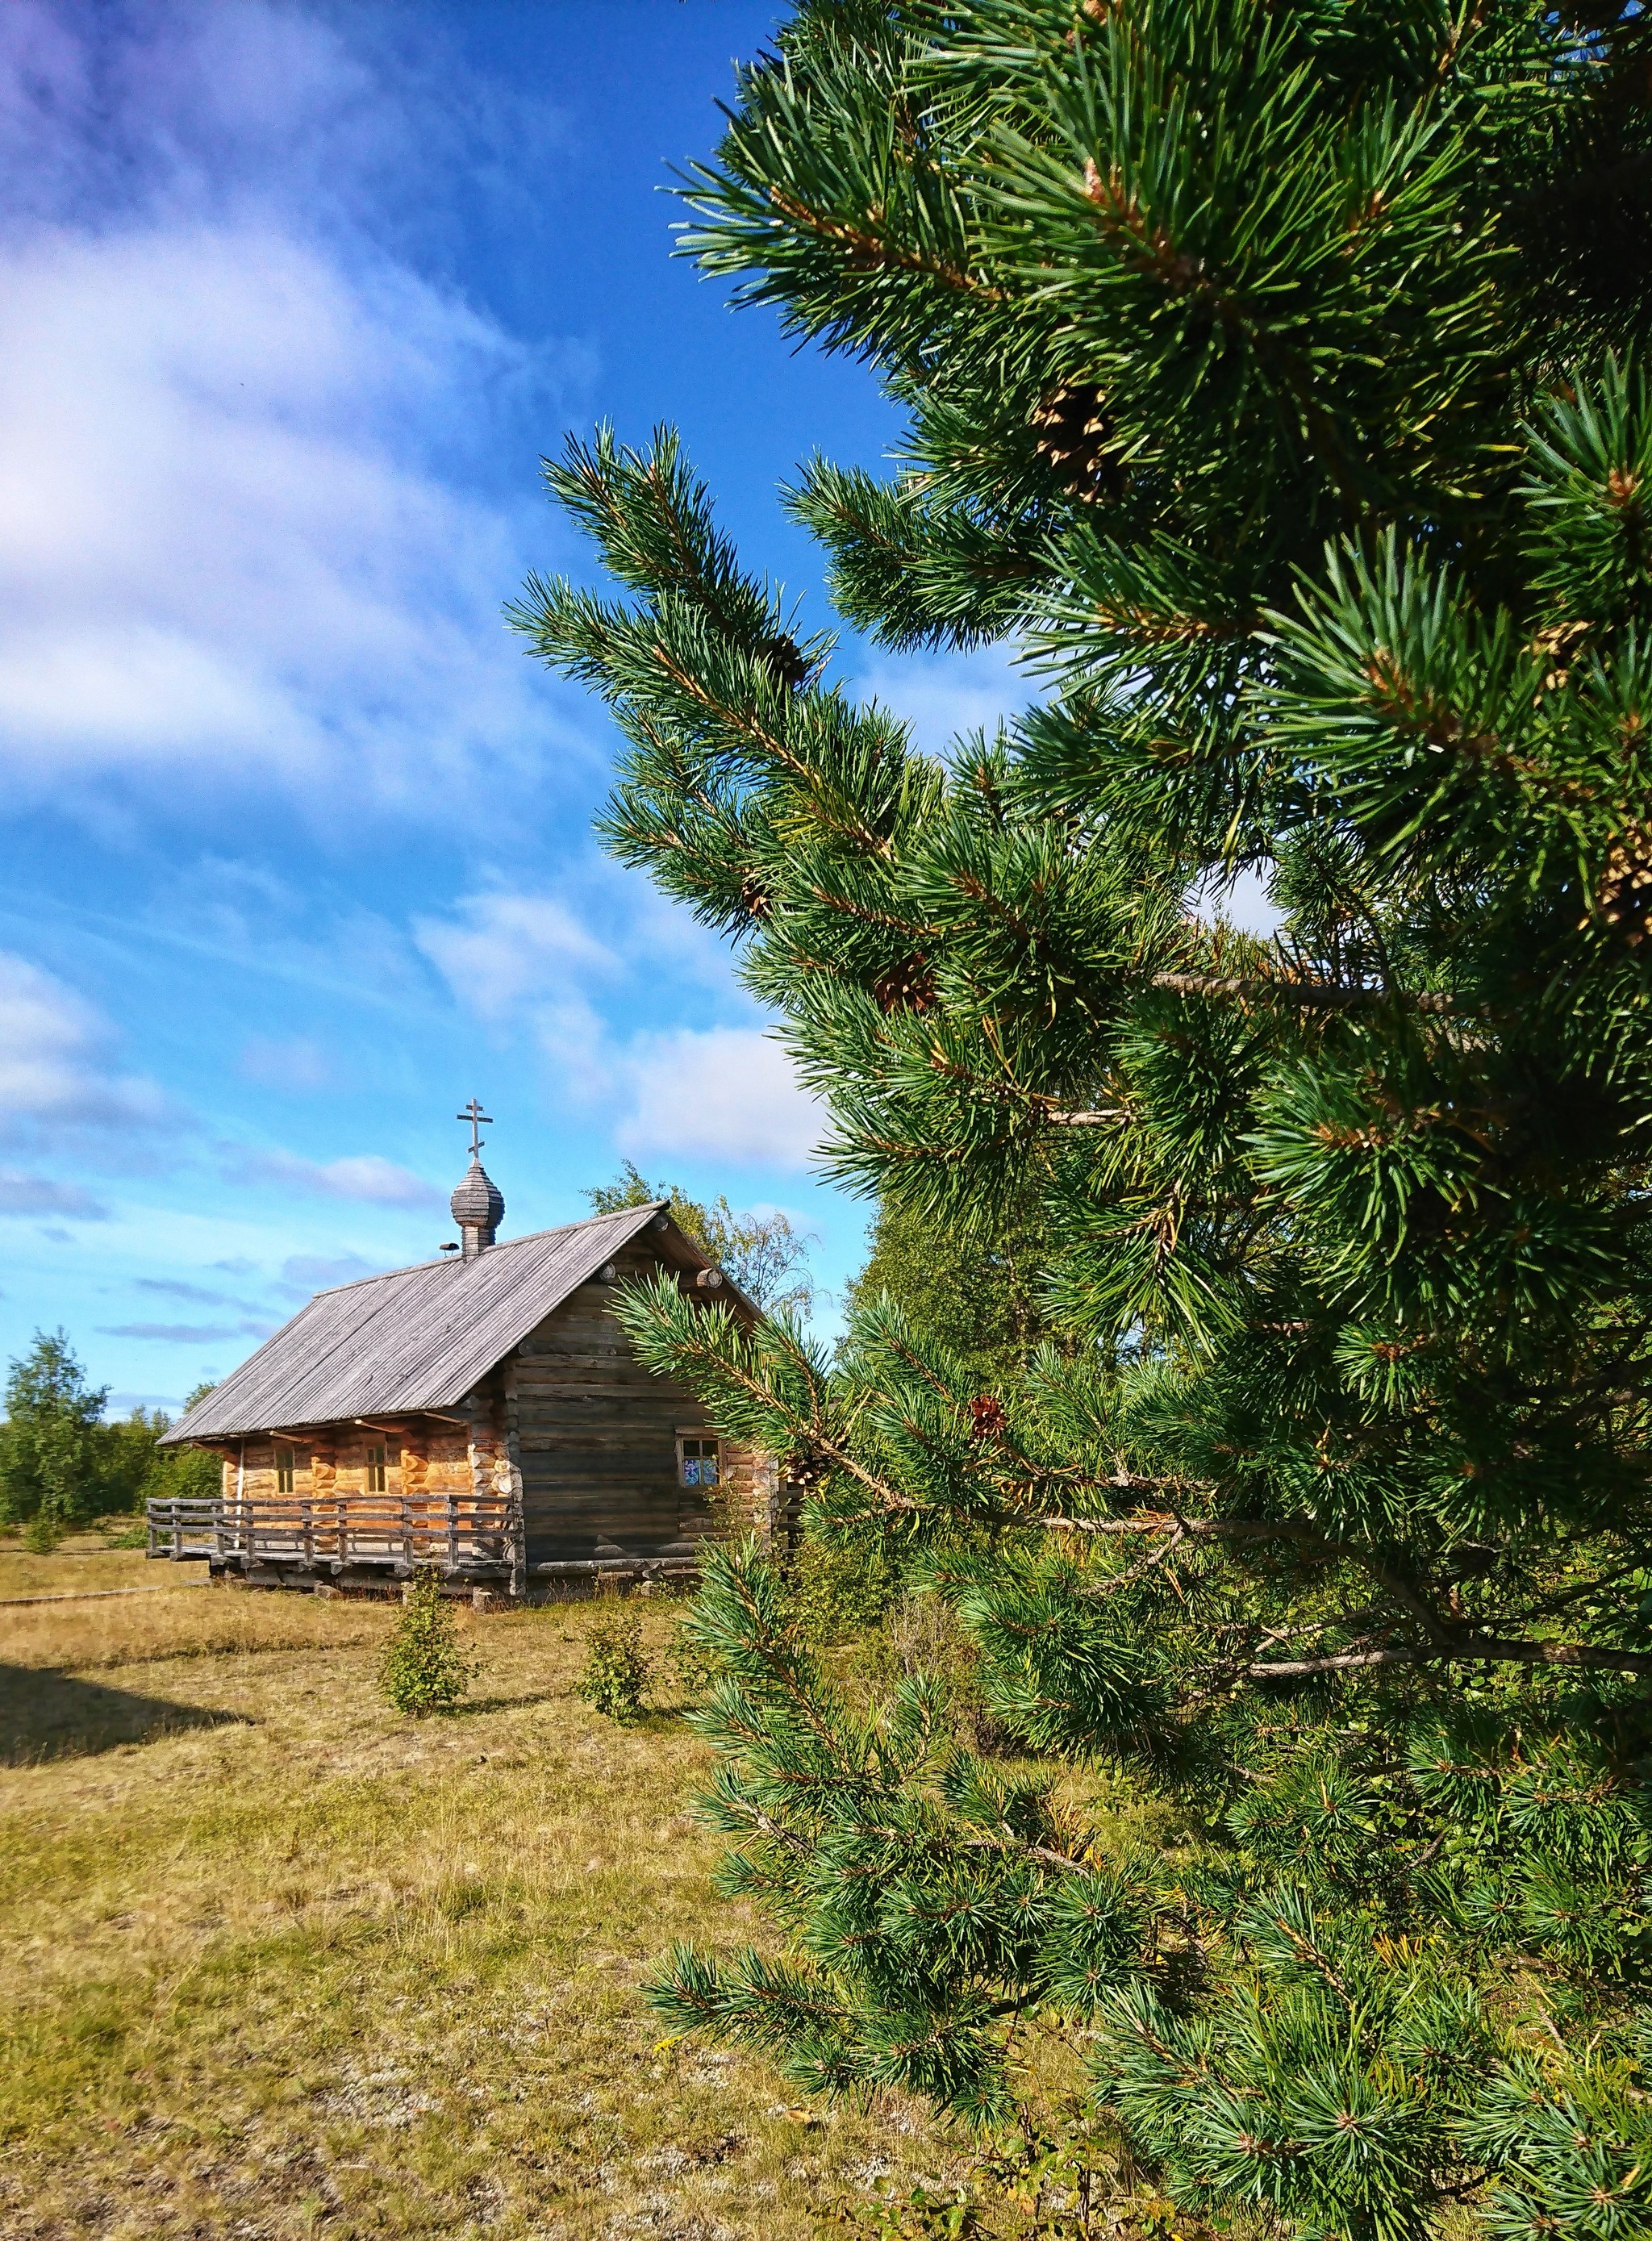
(700, 1461)
(378, 1469)
(285, 1460)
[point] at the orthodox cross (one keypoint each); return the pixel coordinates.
(475, 1115)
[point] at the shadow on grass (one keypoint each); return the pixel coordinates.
(467, 1706)
(45, 1714)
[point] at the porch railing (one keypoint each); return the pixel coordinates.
(457, 1533)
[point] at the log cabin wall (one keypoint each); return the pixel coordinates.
(596, 1438)
(423, 1456)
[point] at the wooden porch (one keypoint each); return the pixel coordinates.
(464, 1536)
(470, 1540)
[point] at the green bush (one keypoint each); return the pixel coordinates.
(690, 1663)
(840, 1590)
(616, 1674)
(424, 1668)
(42, 1533)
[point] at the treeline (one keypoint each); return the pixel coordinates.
(62, 1462)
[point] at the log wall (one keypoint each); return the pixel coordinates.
(596, 1438)
(424, 1456)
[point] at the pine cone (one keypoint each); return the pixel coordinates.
(801, 1472)
(755, 897)
(906, 986)
(783, 658)
(1624, 897)
(1073, 436)
(987, 1418)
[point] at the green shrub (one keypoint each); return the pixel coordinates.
(838, 1591)
(42, 1533)
(424, 1667)
(691, 1665)
(921, 1638)
(125, 1533)
(616, 1673)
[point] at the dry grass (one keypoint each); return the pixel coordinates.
(85, 1564)
(281, 1964)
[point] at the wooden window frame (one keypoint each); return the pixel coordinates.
(700, 1439)
(375, 1472)
(286, 1469)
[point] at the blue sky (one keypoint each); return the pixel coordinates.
(297, 844)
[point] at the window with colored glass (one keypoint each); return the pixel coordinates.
(700, 1461)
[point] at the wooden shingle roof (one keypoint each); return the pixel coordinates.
(416, 1338)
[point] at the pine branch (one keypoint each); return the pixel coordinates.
(1315, 995)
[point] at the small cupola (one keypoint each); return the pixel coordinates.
(477, 1204)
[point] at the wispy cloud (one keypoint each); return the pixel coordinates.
(304, 1273)
(942, 695)
(286, 1062)
(366, 1176)
(173, 1287)
(23, 1193)
(56, 1062)
(499, 951)
(186, 1334)
(532, 960)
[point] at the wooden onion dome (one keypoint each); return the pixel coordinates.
(478, 1207)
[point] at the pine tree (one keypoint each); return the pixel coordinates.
(1275, 385)
(976, 1296)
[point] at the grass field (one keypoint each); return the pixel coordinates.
(279, 1963)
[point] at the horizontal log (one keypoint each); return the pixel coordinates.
(562, 1460)
(646, 1404)
(585, 1374)
(599, 1423)
(655, 1525)
(576, 1567)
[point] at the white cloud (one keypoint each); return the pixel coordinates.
(943, 694)
(526, 961)
(217, 547)
(239, 433)
(56, 1070)
(501, 949)
(1242, 902)
(365, 1176)
(717, 1093)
